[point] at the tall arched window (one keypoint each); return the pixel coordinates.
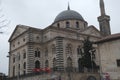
(79, 51)
(13, 59)
(46, 52)
(13, 71)
(46, 63)
(19, 67)
(77, 24)
(37, 64)
(53, 49)
(67, 24)
(80, 65)
(24, 72)
(69, 49)
(69, 64)
(24, 54)
(37, 52)
(24, 65)
(54, 64)
(18, 56)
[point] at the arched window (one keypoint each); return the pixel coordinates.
(19, 67)
(18, 56)
(69, 49)
(13, 59)
(80, 65)
(13, 70)
(69, 64)
(24, 72)
(79, 51)
(53, 49)
(37, 52)
(67, 24)
(54, 64)
(46, 63)
(46, 52)
(58, 25)
(37, 37)
(77, 24)
(24, 65)
(118, 62)
(37, 64)
(24, 54)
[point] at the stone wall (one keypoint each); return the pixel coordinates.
(109, 53)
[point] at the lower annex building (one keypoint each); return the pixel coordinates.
(58, 46)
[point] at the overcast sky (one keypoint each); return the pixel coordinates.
(41, 13)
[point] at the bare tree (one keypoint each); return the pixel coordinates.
(3, 21)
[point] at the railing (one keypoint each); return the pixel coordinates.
(82, 70)
(28, 75)
(67, 69)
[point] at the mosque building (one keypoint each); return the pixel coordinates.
(59, 45)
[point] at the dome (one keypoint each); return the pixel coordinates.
(68, 15)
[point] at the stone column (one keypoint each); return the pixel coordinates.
(59, 53)
(30, 53)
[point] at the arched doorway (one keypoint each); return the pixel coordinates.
(37, 64)
(80, 67)
(69, 64)
(46, 63)
(54, 64)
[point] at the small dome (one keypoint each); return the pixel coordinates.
(68, 15)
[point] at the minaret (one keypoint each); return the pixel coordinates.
(104, 21)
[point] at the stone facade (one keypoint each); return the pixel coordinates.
(109, 50)
(48, 42)
(58, 46)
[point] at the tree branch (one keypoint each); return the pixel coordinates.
(5, 25)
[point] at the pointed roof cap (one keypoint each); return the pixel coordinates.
(102, 7)
(68, 6)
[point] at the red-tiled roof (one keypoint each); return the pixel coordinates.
(109, 38)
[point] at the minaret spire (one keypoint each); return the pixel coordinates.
(104, 21)
(68, 6)
(102, 8)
